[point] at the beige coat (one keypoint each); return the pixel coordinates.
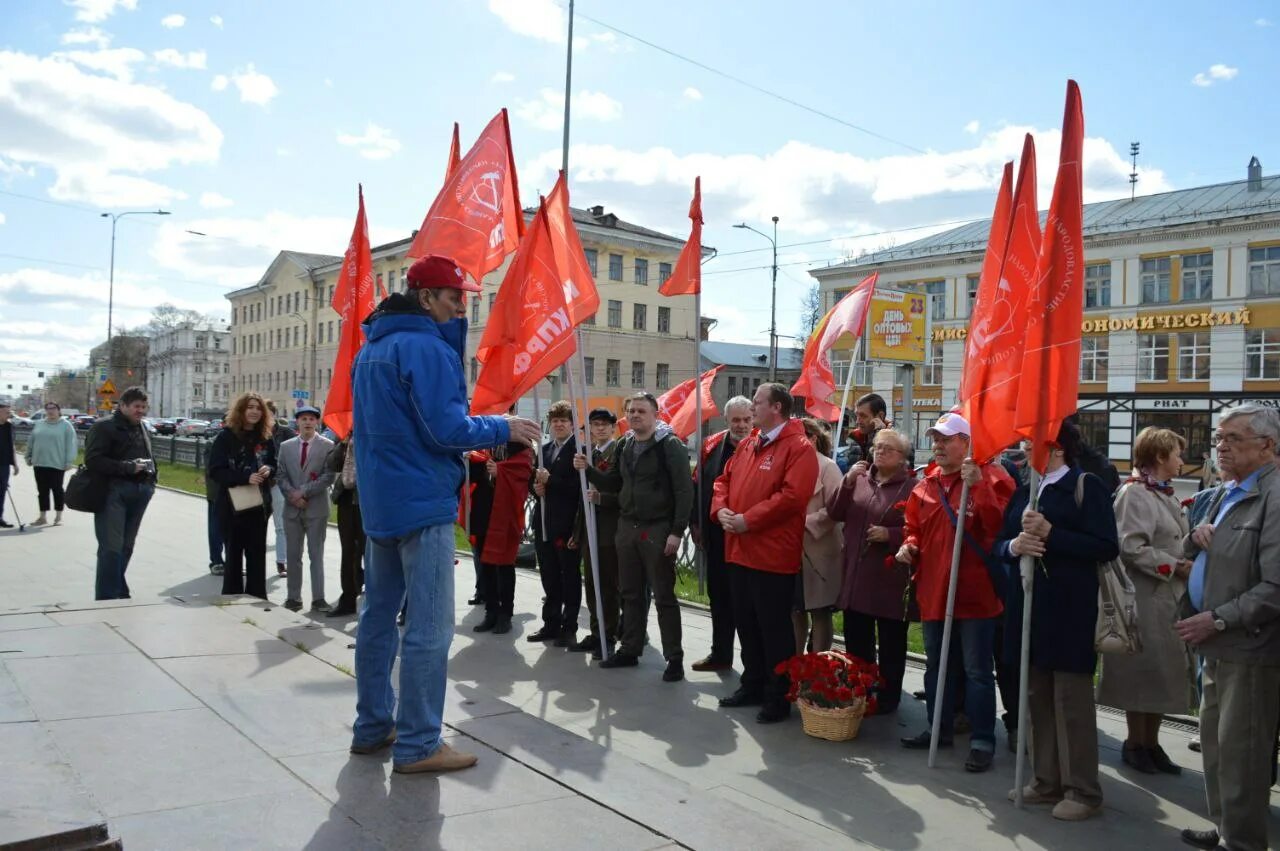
(1161, 678)
(823, 566)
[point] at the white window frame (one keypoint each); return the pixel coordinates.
(1095, 359)
(1097, 283)
(1159, 280)
(1197, 276)
(1149, 354)
(1262, 344)
(1264, 269)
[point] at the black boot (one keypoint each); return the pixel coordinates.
(486, 625)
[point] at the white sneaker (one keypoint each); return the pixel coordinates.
(39, 521)
(57, 519)
(1069, 810)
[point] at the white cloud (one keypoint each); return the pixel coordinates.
(87, 35)
(196, 59)
(376, 143)
(116, 61)
(691, 93)
(817, 190)
(219, 82)
(90, 129)
(1263, 22)
(238, 250)
(173, 22)
(1217, 73)
(547, 112)
(1, 218)
(216, 20)
(972, 127)
(545, 20)
(96, 11)
(502, 77)
(284, 152)
(253, 86)
(214, 201)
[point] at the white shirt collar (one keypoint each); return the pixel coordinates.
(1055, 476)
(773, 433)
(605, 447)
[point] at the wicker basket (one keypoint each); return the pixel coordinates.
(834, 725)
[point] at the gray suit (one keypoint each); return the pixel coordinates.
(313, 520)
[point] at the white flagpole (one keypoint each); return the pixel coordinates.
(587, 507)
(1026, 567)
(537, 457)
(697, 440)
(844, 401)
(940, 690)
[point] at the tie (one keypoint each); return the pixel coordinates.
(305, 446)
(764, 441)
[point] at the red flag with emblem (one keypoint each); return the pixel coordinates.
(817, 382)
(476, 218)
(679, 407)
(686, 277)
(353, 299)
(998, 324)
(579, 284)
(1050, 380)
(529, 332)
(455, 155)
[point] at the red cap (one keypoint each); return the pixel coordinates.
(435, 272)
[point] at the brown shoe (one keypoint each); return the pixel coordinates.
(376, 746)
(444, 759)
(711, 664)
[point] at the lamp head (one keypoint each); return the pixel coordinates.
(743, 225)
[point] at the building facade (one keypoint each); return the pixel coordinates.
(284, 332)
(746, 367)
(189, 372)
(124, 363)
(1182, 311)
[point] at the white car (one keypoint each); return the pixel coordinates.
(193, 428)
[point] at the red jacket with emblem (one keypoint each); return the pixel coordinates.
(929, 527)
(770, 487)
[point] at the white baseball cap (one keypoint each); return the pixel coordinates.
(949, 424)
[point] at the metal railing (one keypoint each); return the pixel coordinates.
(187, 451)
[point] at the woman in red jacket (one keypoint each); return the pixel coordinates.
(760, 501)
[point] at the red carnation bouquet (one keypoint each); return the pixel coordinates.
(833, 680)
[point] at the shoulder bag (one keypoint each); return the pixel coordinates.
(1116, 631)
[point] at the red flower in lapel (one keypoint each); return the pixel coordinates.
(900, 506)
(889, 561)
(1164, 569)
(315, 476)
(644, 536)
(1186, 503)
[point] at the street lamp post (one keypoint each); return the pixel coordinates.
(111, 279)
(773, 298)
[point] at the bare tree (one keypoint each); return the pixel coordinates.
(166, 317)
(810, 311)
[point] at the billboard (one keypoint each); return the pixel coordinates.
(898, 327)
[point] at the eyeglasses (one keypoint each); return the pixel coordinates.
(883, 448)
(1221, 439)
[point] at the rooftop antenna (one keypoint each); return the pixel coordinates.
(1133, 175)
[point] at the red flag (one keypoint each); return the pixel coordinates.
(998, 324)
(455, 155)
(679, 407)
(1051, 365)
(686, 277)
(529, 333)
(817, 383)
(353, 301)
(476, 218)
(579, 285)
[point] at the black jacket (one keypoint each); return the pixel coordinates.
(111, 447)
(233, 458)
(653, 487)
(1064, 610)
(563, 493)
(8, 445)
(713, 533)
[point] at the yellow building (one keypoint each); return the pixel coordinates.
(1182, 310)
(284, 332)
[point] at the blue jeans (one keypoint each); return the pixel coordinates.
(215, 533)
(116, 527)
(417, 567)
(970, 662)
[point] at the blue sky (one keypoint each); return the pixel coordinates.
(253, 122)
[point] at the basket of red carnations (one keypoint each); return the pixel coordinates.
(834, 692)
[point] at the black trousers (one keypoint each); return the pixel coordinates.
(351, 535)
(610, 595)
(5, 469)
(762, 613)
(245, 535)
(860, 634)
(720, 590)
(561, 571)
(498, 587)
(49, 480)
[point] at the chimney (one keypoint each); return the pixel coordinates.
(597, 211)
(1255, 175)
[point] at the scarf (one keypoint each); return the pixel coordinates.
(1143, 477)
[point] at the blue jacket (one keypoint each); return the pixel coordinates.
(1064, 609)
(410, 404)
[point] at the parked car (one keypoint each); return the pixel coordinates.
(84, 422)
(193, 428)
(164, 426)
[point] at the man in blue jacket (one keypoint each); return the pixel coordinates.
(411, 415)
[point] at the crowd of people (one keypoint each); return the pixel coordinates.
(788, 539)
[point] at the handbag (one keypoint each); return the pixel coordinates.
(245, 497)
(85, 491)
(1116, 631)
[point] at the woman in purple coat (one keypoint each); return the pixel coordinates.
(874, 594)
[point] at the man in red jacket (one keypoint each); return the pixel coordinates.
(931, 516)
(760, 501)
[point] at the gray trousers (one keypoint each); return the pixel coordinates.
(278, 504)
(314, 529)
(1064, 735)
(640, 557)
(1237, 735)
